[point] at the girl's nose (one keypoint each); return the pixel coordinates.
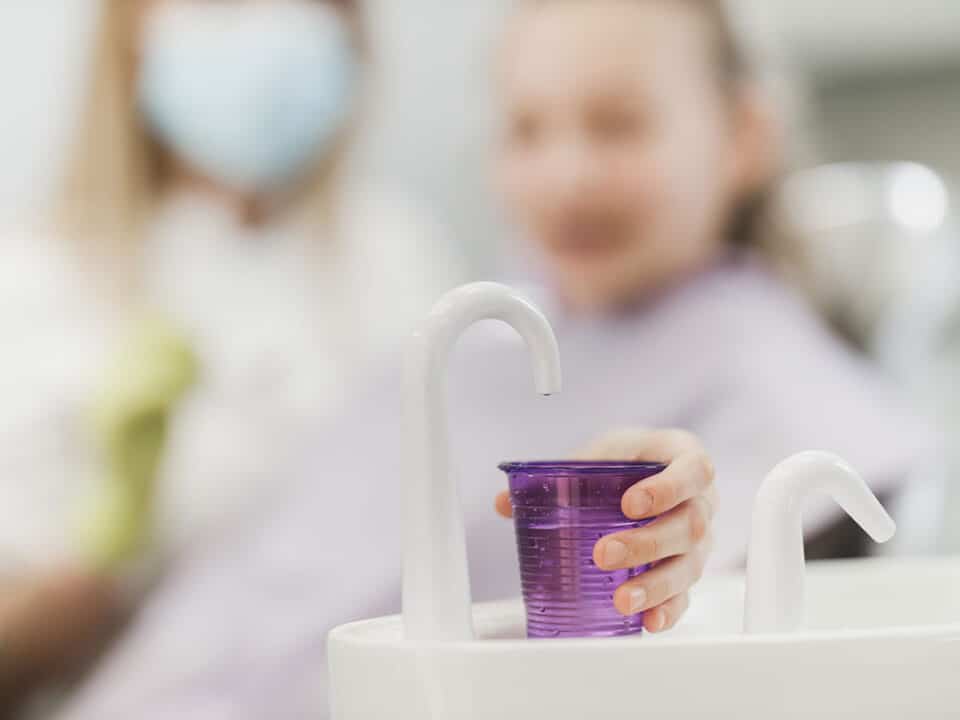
(571, 170)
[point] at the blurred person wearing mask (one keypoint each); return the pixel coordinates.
(214, 285)
(637, 154)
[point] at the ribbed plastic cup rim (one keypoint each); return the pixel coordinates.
(582, 467)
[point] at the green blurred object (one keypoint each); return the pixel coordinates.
(130, 422)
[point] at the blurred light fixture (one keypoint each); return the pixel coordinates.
(917, 197)
(869, 232)
(846, 195)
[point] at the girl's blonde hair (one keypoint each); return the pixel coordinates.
(117, 170)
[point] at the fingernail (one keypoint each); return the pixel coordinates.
(640, 503)
(615, 553)
(638, 598)
(656, 621)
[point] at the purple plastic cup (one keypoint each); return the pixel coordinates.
(561, 510)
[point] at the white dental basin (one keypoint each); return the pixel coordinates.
(883, 642)
(865, 640)
(882, 594)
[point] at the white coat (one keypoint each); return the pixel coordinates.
(282, 319)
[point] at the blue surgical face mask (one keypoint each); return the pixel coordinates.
(247, 93)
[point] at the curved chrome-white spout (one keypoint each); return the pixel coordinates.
(436, 589)
(775, 600)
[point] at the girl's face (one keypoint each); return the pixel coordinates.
(619, 154)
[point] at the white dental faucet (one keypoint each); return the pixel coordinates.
(436, 586)
(775, 600)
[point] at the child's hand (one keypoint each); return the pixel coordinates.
(683, 498)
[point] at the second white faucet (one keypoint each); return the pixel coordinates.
(775, 600)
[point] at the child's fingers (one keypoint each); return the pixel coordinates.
(688, 475)
(503, 505)
(661, 584)
(689, 470)
(675, 533)
(667, 615)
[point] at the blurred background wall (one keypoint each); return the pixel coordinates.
(43, 43)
